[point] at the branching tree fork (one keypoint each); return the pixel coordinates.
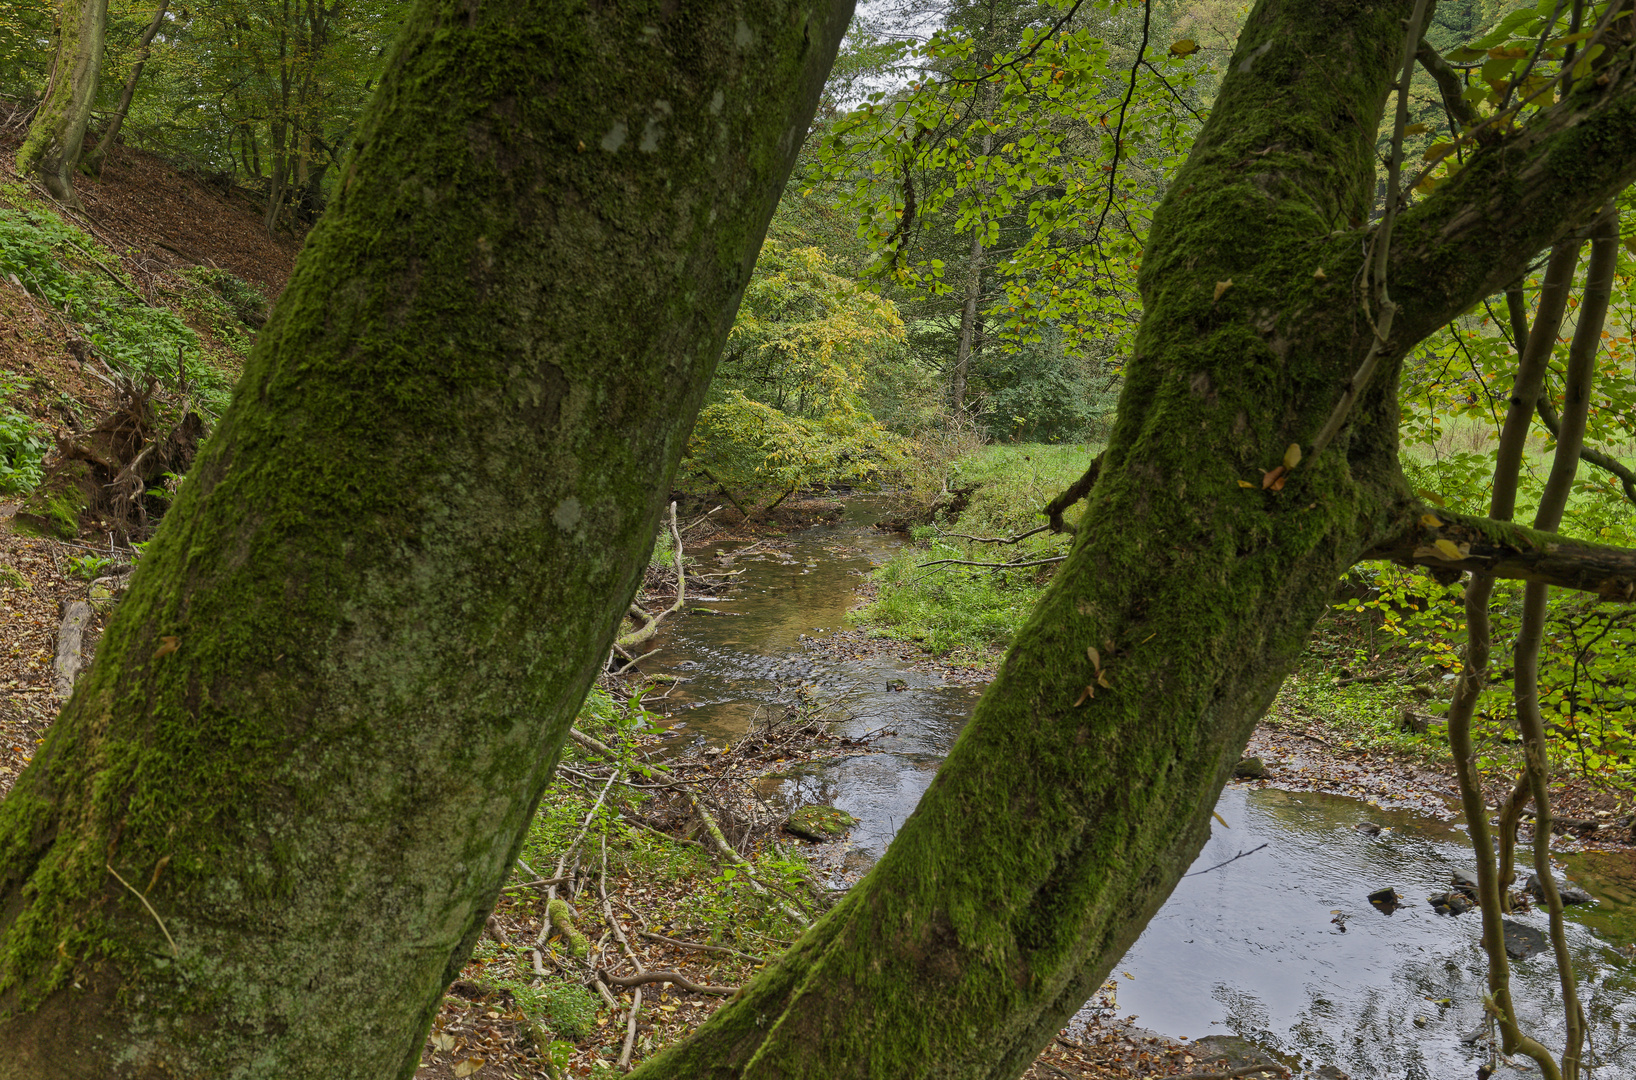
(321, 720)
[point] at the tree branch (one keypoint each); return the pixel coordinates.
(1448, 84)
(1508, 550)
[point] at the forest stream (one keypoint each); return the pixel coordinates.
(1280, 946)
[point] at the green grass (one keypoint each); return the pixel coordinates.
(969, 613)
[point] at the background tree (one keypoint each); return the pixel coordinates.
(56, 137)
(265, 832)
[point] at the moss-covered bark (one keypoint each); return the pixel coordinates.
(1061, 820)
(52, 150)
(322, 718)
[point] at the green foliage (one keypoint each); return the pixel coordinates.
(568, 1008)
(89, 567)
(788, 407)
(1024, 134)
(970, 612)
(754, 449)
(731, 912)
(59, 264)
(22, 446)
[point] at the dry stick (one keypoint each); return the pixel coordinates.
(643, 978)
(562, 863)
(630, 1030)
(1375, 279)
(651, 936)
(625, 946)
(1581, 372)
(1534, 349)
(712, 829)
(174, 951)
(641, 634)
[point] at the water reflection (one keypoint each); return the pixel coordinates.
(1257, 947)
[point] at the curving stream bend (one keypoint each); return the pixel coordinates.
(1279, 947)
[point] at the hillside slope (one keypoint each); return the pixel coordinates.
(164, 270)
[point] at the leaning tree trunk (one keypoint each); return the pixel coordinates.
(1083, 786)
(99, 153)
(52, 150)
(266, 830)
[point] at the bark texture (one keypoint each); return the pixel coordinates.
(52, 150)
(322, 718)
(1061, 820)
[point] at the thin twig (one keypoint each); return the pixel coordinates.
(1219, 865)
(174, 951)
(1119, 130)
(651, 936)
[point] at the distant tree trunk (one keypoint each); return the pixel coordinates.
(55, 138)
(94, 160)
(264, 834)
(968, 313)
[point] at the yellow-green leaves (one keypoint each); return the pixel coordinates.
(1184, 47)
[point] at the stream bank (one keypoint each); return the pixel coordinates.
(1256, 940)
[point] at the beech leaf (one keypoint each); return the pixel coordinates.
(1184, 47)
(1431, 521)
(1417, 129)
(1084, 695)
(1096, 657)
(1274, 478)
(1292, 456)
(1223, 286)
(1246, 483)
(1102, 680)
(167, 645)
(467, 1067)
(1448, 549)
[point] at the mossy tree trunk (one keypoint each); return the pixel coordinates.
(265, 832)
(52, 150)
(1083, 787)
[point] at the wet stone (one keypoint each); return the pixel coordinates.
(1522, 940)
(1464, 881)
(1385, 900)
(1250, 768)
(1452, 902)
(819, 823)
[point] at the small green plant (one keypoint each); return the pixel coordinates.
(89, 567)
(22, 447)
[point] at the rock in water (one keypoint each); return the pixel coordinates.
(1368, 828)
(1452, 902)
(1385, 900)
(819, 823)
(1464, 881)
(1250, 768)
(1570, 894)
(1522, 940)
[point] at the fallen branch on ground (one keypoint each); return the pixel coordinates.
(676, 977)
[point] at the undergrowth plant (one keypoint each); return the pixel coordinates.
(69, 273)
(22, 445)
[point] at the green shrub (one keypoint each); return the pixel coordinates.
(22, 447)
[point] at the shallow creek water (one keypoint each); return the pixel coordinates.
(1254, 948)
